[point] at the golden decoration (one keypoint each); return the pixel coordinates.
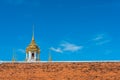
(33, 46)
(13, 57)
(50, 58)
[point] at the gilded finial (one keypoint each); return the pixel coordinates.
(33, 33)
(49, 57)
(13, 57)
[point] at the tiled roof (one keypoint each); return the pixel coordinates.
(60, 71)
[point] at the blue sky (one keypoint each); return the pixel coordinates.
(71, 30)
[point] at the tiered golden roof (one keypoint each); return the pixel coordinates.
(33, 46)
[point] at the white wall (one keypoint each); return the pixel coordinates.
(29, 56)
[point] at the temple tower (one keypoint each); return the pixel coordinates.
(32, 51)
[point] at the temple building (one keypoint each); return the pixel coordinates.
(32, 51)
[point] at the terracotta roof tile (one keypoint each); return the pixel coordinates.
(60, 71)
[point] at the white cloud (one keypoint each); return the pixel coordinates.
(21, 50)
(67, 47)
(59, 50)
(71, 47)
(99, 37)
(103, 42)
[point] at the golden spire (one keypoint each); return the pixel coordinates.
(13, 57)
(50, 57)
(33, 46)
(33, 33)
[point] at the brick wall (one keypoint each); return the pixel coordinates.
(60, 71)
